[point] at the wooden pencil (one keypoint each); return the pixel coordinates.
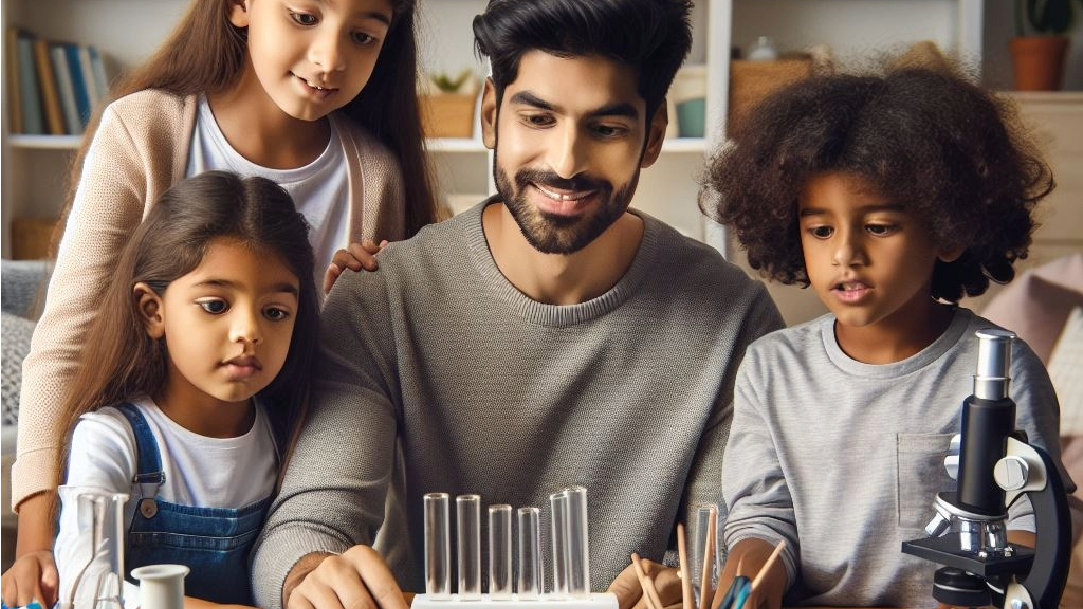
(649, 592)
(688, 599)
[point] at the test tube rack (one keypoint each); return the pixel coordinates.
(570, 556)
(595, 600)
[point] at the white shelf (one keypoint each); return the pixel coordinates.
(454, 144)
(684, 144)
(45, 142)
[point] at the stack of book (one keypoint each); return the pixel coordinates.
(54, 86)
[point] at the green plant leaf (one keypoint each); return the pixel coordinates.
(1049, 16)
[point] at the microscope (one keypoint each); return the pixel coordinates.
(994, 467)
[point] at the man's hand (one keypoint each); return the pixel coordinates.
(33, 577)
(630, 594)
(355, 257)
(356, 579)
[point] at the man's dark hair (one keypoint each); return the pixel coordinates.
(650, 36)
(952, 154)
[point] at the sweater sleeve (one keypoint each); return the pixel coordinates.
(108, 205)
(761, 317)
(756, 497)
(336, 482)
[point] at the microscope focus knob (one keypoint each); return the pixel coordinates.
(951, 464)
(1011, 473)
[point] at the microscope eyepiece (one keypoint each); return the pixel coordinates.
(994, 364)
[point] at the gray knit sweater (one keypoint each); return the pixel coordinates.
(436, 374)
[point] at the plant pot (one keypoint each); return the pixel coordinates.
(1038, 62)
(447, 115)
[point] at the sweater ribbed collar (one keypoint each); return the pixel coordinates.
(558, 315)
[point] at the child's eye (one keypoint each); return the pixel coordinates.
(882, 230)
(276, 313)
(214, 306)
(362, 38)
(820, 232)
(303, 18)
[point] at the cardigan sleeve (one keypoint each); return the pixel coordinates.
(380, 201)
(126, 166)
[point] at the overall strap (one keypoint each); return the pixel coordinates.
(148, 462)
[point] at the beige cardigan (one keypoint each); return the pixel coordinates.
(138, 151)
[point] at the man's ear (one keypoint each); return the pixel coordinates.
(149, 305)
(488, 114)
(238, 12)
(656, 134)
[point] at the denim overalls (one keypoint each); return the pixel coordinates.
(212, 542)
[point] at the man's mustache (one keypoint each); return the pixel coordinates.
(552, 180)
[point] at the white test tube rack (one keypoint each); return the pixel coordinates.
(572, 583)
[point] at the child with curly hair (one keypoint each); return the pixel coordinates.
(891, 196)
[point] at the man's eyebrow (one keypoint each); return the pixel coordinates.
(527, 98)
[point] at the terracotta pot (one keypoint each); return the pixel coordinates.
(1038, 62)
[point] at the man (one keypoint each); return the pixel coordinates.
(548, 337)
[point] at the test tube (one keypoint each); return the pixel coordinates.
(437, 548)
(701, 525)
(559, 504)
(578, 547)
(468, 514)
(500, 552)
(529, 554)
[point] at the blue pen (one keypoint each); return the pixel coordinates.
(737, 594)
(32, 605)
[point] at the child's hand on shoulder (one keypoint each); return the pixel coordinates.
(356, 256)
(33, 577)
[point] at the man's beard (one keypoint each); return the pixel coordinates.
(553, 234)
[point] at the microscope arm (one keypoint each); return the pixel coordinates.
(1029, 469)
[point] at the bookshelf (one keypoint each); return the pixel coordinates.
(35, 167)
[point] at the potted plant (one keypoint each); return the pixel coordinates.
(1038, 59)
(448, 105)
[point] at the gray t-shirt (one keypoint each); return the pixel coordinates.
(843, 459)
(488, 391)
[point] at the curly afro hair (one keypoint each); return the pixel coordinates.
(951, 153)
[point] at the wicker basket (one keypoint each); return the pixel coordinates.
(30, 237)
(752, 81)
(448, 115)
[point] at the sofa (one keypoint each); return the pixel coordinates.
(22, 292)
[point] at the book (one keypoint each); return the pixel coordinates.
(50, 98)
(11, 66)
(101, 78)
(87, 68)
(28, 85)
(65, 87)
(78, 81)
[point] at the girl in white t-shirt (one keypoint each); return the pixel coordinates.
(195, 371)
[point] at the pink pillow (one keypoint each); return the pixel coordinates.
(1036, 305)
